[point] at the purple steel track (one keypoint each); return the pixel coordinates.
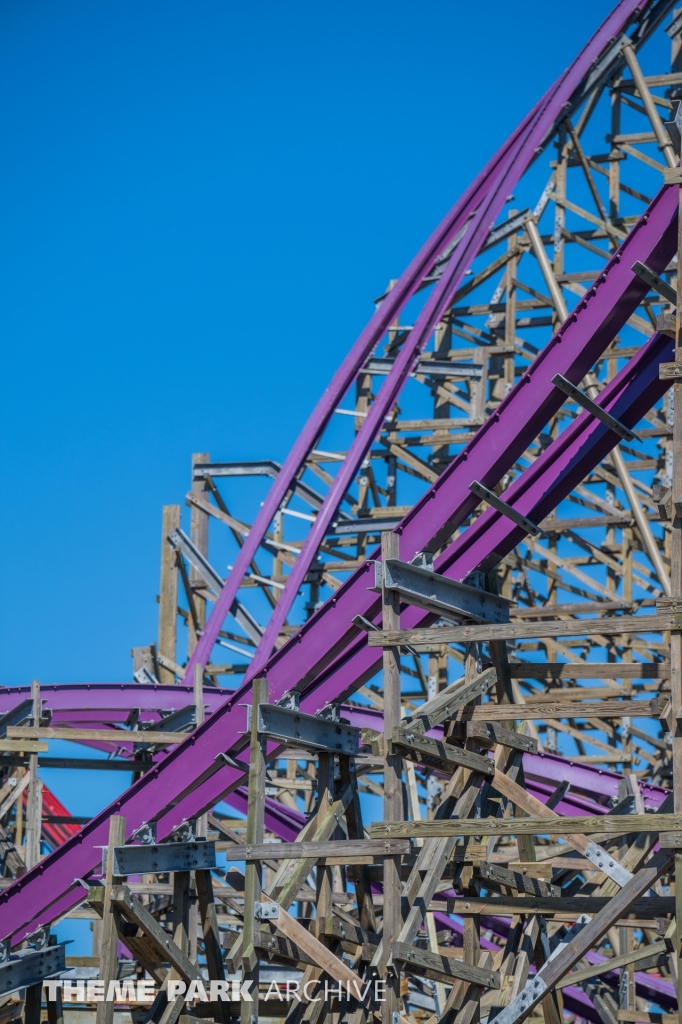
(474, 213)
(49, 889)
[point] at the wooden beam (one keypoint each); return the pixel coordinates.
(658, 623)
(613, 825)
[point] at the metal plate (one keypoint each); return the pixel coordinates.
(307, 731)
(140, 860)
(30, 966)
(426, 589)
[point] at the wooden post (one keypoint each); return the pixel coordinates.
(168, 593)
(55, 1008)
(109, 958)
(676, 637)
(142, 658)
(34, 806)
(393, 789)
(34, 998)
(199, 537)
(202, 821)
(255, 827)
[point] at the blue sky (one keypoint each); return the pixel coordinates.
(199, 202)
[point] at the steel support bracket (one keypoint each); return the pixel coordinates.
(265, 911)
(163, 857)
(497, 503)
(426, 589)
(295, 729)
(654, 282)
(606, 863)
(571, 391)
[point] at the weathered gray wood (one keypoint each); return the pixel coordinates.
(133, 910)
(516, 880)
(657, 951)
(448, 701)
(393, 790)
(493, 732)
(440, 753)
(657, 623)
(442, 968)
(109, 956)
(608, 824)
(344, 849)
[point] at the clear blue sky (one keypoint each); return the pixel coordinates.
(198, 203)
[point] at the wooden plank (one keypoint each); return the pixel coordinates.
(322, 956)
(23, 746)
(134, 911)
(440, 753)
(516, 880)
(575, 709)
(344, 850)
(443, 968)
(393, 786)
(168, 594)
(255, 827)
(590, 670)
(448, 701)
(493, 732)
(613, 825)
(571, 906)
(658, 623)
(109, 955)
(117, 736)
(34, 801)
(635, 956)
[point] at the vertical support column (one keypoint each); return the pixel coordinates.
(254, 834)
(168, 593)
(211, 934)
(199, 537)
(109, 958)
(34, 807)
(363, 890)
(202, 821)
(393, 790)
(181, 913)
(142, 658)
(676, 637)
(510, 316)
(32, 1004)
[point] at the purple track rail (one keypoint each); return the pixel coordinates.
(162, 794)
(474, 213)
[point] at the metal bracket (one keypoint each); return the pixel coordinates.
(185, 832)
(40, 938)
(605, 862)
(309, 731)
(426, 589)
(521, 1004)
(265, 911)
(162, 857)
(5, 949)
(654, 282)
(145, 677)
(330, 712)
(571, 391)
(423, 560)
(674, 127)
(290, 701)
(145, 834)
(516, 517)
